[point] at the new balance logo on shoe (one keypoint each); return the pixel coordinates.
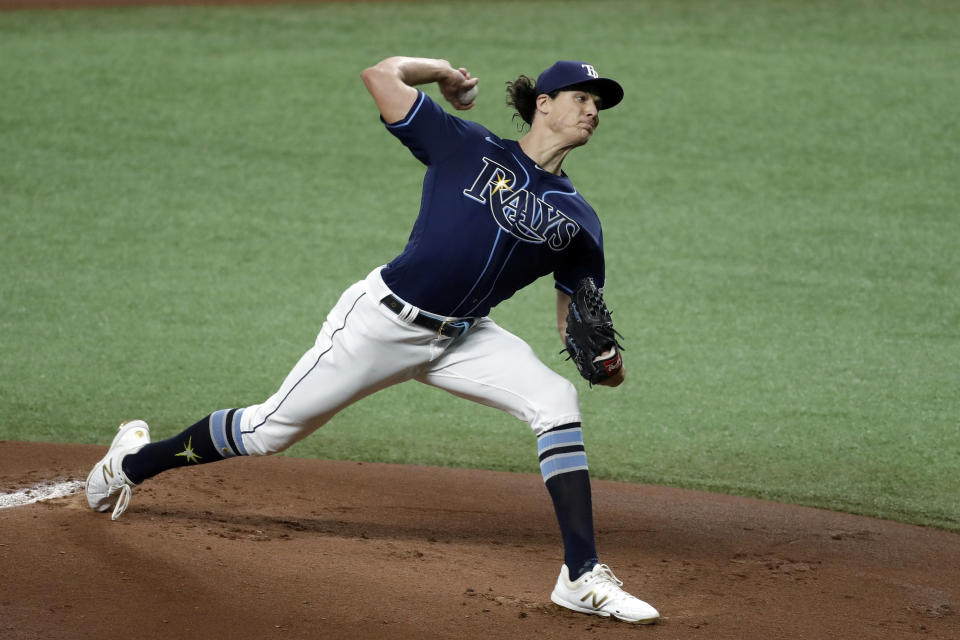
(596, 603)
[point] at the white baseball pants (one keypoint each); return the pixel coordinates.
(364, 347)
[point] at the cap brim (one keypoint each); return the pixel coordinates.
(610, 91)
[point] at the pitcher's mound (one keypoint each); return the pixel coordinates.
(289, 548)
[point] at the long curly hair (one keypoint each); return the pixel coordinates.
(522, 96)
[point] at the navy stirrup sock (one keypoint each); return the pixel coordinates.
(563, 463)
(211, 439)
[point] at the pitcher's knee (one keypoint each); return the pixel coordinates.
(558, 404)
(264, 435)
(257, 444)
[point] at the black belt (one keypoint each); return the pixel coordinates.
(450, 328)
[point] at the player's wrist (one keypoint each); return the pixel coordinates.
(617, 375)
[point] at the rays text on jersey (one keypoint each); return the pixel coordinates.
(519, 212)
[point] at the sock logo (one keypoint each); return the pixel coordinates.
(188, 452)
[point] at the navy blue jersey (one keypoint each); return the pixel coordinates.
(491, 221)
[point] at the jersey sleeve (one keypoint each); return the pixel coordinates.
(585, 259)
(430, 133)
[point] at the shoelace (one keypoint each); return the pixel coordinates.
(123, 501)
(606, 574)
(616, 594)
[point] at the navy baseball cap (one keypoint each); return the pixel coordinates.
(566, 73)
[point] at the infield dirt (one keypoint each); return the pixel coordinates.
(289, 548)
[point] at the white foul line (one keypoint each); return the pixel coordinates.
(38, 493)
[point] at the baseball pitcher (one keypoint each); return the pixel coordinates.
(495, 216)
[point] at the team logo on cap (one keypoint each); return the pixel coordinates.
(519, 212)
(590, 70)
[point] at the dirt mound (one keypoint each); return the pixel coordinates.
(291, 548)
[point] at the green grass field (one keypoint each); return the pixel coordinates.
(184, 192)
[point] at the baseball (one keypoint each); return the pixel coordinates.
(468, 96)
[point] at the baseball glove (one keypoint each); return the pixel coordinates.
(590, 334)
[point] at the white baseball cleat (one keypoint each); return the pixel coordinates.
(107, 477)
(598, 592)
